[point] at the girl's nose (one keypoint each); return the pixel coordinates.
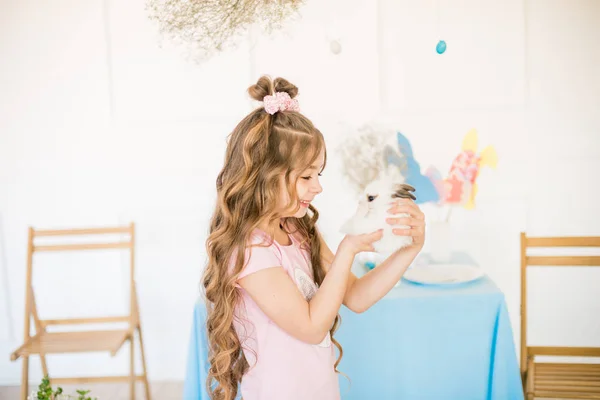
(317, 188)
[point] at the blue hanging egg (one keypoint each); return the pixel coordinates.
(441, 47)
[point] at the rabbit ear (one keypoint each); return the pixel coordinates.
(404, 191)
(407, 187)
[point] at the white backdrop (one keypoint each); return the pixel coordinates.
(99, 125)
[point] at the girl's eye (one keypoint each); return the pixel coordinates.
(309, 177)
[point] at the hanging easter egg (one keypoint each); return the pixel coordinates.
(335, 46)
(441, 47)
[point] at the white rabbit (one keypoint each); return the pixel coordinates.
(372, 212)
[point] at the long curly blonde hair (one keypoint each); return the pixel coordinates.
(261, 150)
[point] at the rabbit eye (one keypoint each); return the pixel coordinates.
(370, 198)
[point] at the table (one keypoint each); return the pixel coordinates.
(431, 342)
(194, 387)
(419, 342)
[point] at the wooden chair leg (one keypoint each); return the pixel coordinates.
(25, 378)
(146, 385)
(132, 366)
(44, 365)
(530, 378)
(530, 396)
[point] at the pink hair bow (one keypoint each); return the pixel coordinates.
(280, 101)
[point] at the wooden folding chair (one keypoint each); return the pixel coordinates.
(563, 379)
(44, 342)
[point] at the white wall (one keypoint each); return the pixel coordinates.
(98, 126)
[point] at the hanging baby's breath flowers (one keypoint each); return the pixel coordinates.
(207, 27)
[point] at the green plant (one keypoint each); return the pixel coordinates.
(82, 394)
(45, 392)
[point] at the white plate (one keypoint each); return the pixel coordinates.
(443, 274)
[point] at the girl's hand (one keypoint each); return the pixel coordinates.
(355, 244)
(415, 221)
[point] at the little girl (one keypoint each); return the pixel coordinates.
(272, 285)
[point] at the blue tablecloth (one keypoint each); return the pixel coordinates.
(194, 387)
(418, 343)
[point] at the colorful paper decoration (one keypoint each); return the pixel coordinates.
(410, 170)
(460, 187)
(434, 175)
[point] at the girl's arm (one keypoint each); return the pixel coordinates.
(278, 297)
(362, 293)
